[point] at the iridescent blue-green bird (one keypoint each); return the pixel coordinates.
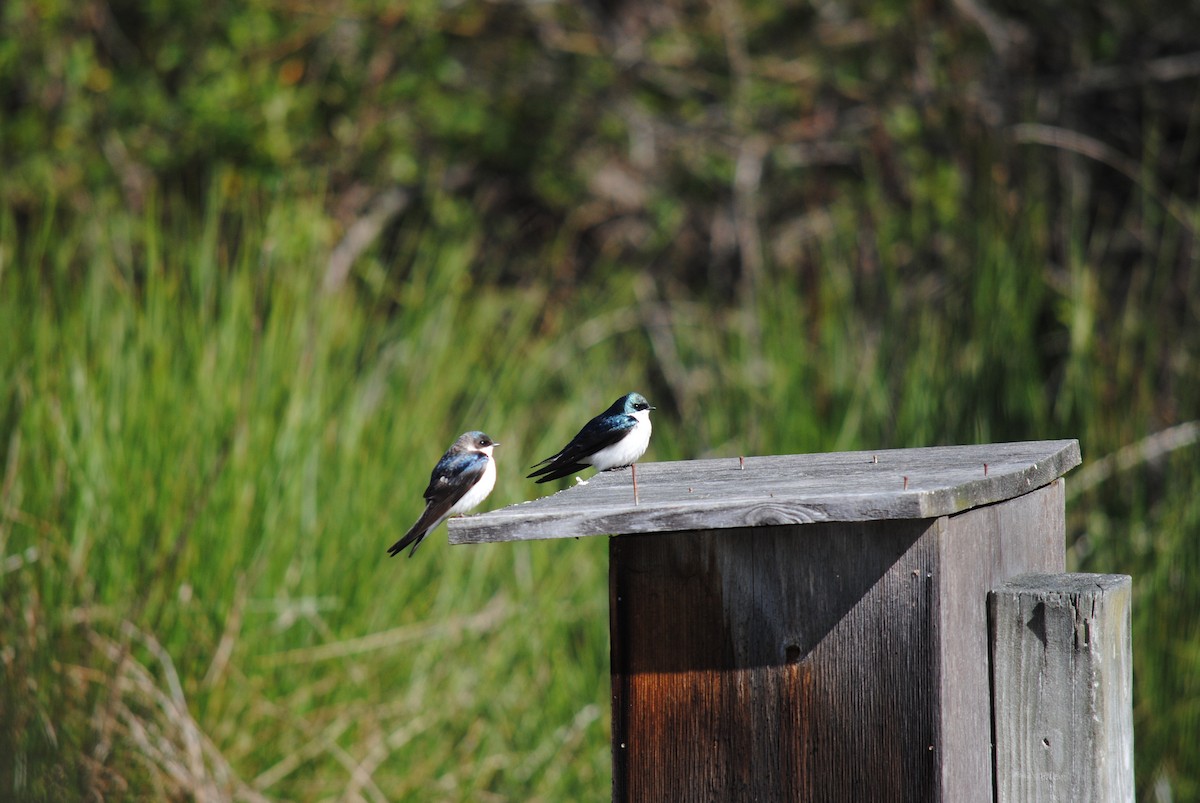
(461, 480)
(614, 439)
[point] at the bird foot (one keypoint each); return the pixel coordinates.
(580, 481)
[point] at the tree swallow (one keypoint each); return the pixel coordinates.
(461, 480)
(614, 439)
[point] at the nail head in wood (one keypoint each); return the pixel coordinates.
(778, 489)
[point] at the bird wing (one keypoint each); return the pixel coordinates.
(599, 433)
(452, 477)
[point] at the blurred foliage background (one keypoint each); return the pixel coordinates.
(260, 262)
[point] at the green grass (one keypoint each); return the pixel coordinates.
(205, 457)
(207, 445)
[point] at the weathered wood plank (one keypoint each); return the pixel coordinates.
(785, 489)
(1062, 688)
(977, 550)
(825, 662)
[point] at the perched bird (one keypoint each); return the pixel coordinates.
(461, 480)
(615, 438)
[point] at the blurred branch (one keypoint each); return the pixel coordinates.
(1147, 450)
(10, 469)
(1082, 144)
(747, 182)
(656, 320)
(812, 154)
(1163, 70)
(751, 149)
(386, 206)
(99, 17)
(1005, 36)
(136, 179)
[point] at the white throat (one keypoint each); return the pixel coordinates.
(480, 490)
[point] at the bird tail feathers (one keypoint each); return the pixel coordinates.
(557, 471)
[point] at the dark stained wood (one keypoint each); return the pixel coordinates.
(825, 662)
(751, 665)
(780, 490)
(1063, 687)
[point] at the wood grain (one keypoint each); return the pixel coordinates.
(977, 550)
(841, 661)
(1063, 688)
(780, 490)
(810, 627)
(752, 664)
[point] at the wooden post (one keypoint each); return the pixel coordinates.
(810, 627)
(1062, 684)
